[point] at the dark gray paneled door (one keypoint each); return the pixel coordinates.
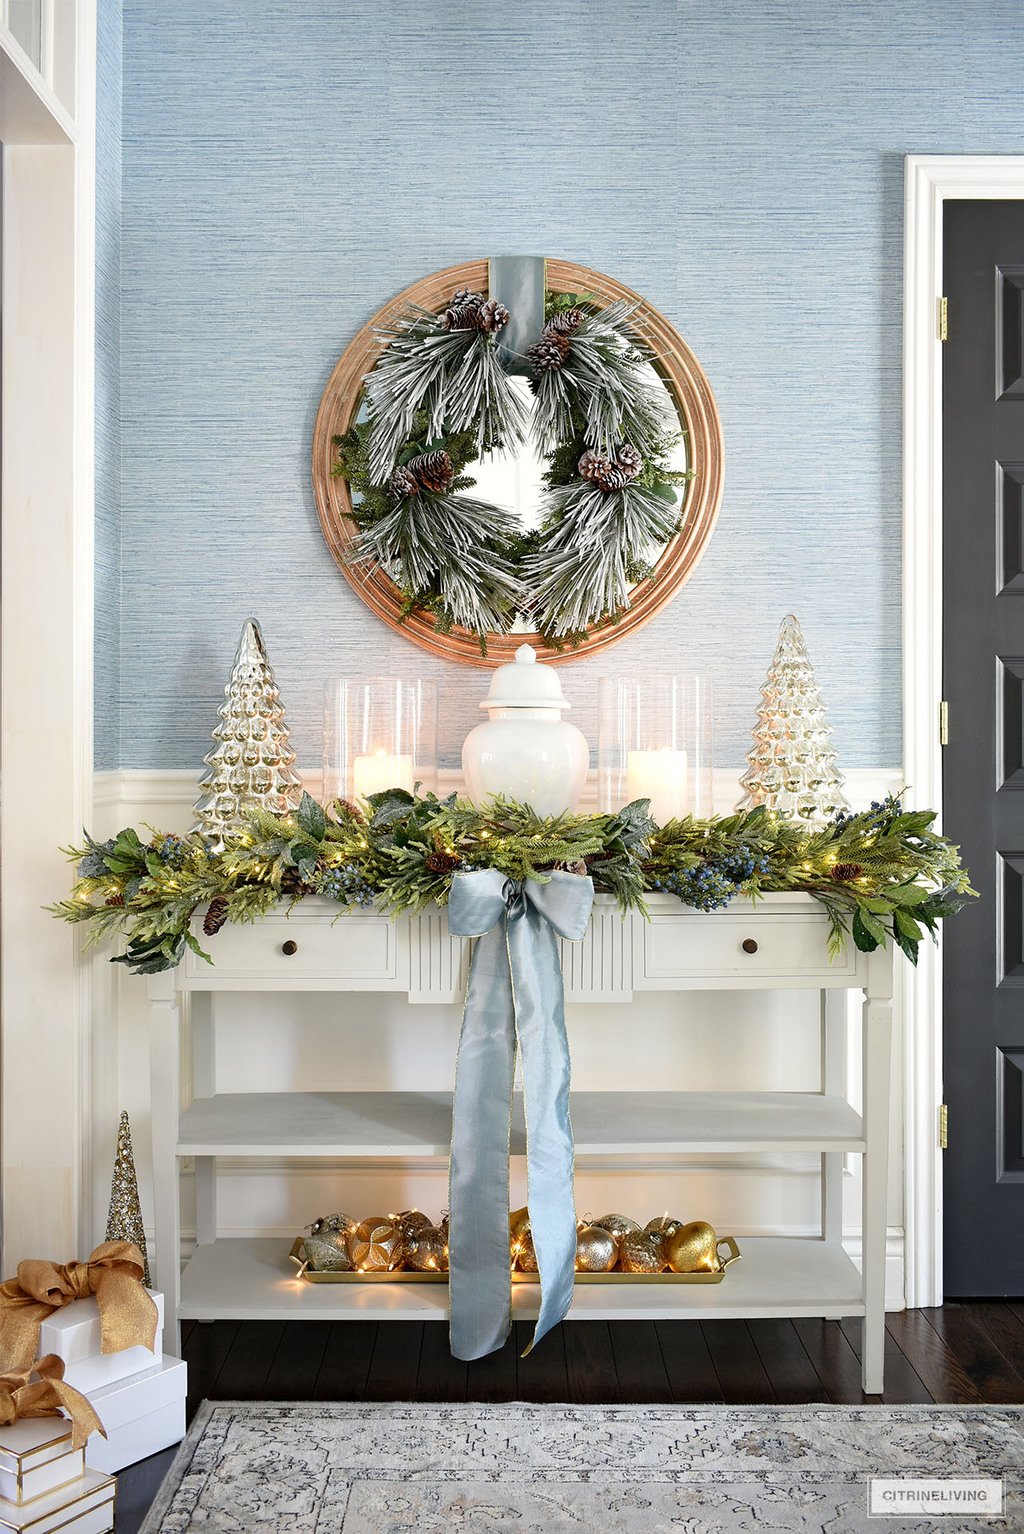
(983, 768)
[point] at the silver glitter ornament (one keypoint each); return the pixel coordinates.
(327, 1244)
(251, 764)
(618, 1224)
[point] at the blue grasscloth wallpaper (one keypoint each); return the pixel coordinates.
(289, 166)
(108, 383)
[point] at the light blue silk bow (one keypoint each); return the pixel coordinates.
(514, 995)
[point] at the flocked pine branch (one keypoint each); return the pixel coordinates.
(605, 381)
(445, 546)
(455, 376)
(597, 544)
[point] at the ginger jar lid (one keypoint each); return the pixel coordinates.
(526, 683)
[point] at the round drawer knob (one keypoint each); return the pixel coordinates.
(750, 945)
(290, 947)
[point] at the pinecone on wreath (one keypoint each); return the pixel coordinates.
(403, 484)
(432, 471)
(601, 471)
(492, 316)
(548, 353)
(628, 459)
(463, 311)
(565, 323)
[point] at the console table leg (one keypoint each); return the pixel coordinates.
(204, 1084)
(834, 1017)
(165, 1105)
(877, 1056)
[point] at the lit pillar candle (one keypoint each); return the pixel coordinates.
(378, 770)
(659, 776)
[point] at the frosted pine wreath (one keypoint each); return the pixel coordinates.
(439, 397)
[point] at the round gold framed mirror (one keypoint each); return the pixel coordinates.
(691, 400)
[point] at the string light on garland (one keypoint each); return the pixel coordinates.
(404, 857)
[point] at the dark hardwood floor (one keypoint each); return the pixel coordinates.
(962, 1352)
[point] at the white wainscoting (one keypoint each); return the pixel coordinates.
(372, 1041)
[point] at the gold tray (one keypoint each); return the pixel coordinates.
(407, 1276)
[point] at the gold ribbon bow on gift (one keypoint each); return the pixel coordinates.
(21, 1396)
(128, 1314)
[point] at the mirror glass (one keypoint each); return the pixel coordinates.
(515, 480)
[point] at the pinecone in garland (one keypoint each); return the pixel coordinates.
(432, 471)
(441, 862)
(492, 316)
(403, 484)
(114, 900)
(628, 459)
(463, 310)
(548, 353)
(600, 471)
(565, 323)
(845, 873)
(216, 915)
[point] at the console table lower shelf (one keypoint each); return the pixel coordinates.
(239, 1279)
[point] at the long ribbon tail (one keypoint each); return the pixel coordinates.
(480, 1279)
(540, 1026)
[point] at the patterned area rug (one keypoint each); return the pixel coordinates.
(518, 1469)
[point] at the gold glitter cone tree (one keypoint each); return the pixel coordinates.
(124, 1219)
(793, 764)
(251, 764)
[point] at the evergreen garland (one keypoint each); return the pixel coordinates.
(880, 874)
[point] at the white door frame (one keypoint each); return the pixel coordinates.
(931, 180)
(48, 278)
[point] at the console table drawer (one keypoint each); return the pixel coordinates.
(738, 949)
(355, 952)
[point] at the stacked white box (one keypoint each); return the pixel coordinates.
(142, 1415)
(138, 1393)
(73, 1333)
(44, 1483)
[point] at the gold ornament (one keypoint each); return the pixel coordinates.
(518, 1223)
(411, 1221)
(124, 1217)
(618, 1224)
(375, 1246)
(693, 1248)
(597, 1250)
(426, 1251)
(640, 1252)
(251, 764)
(525, 1254)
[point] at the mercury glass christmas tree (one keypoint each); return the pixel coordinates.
(793, 765)
(124, 1219)
(251, 764)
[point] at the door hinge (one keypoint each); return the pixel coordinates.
(943, 318)
(943, 1127)
(943, 723)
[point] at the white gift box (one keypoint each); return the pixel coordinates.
(36, 1457)
(86, 1506)
(73, 1333)
(142, 1415)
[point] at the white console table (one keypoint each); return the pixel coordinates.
(779, 943)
